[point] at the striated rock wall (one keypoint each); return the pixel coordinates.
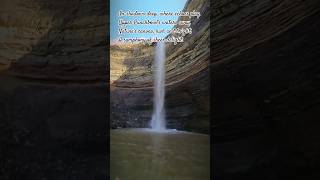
(187, 80)
(265, 70)
(54, 40)
(53, 89)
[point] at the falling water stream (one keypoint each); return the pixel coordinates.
(158, 118)
(158, 153)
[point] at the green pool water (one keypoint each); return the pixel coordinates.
(142, 154)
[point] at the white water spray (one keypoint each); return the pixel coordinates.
(158, 117)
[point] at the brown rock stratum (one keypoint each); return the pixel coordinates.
(265, 97)
(187, 79)
(53, 89)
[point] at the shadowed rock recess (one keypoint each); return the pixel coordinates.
(53, 89)
(265, 70)
(187, 80)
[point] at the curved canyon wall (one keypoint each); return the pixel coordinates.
(265, 74)
(187, 80)
(53, 89)
(54, 40)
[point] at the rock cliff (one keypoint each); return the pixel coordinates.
(187, 79)
(54, 40)
(53, 89)
(265, 71)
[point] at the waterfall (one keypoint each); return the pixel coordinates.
(158, 117)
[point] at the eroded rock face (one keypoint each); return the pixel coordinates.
(54, 40)
(53, 89)
(54, 43)
(265, 70)
(187, 80)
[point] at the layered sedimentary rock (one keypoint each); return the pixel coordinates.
(53, 89)
(187, 79)
(265, 71)
(54, 40)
